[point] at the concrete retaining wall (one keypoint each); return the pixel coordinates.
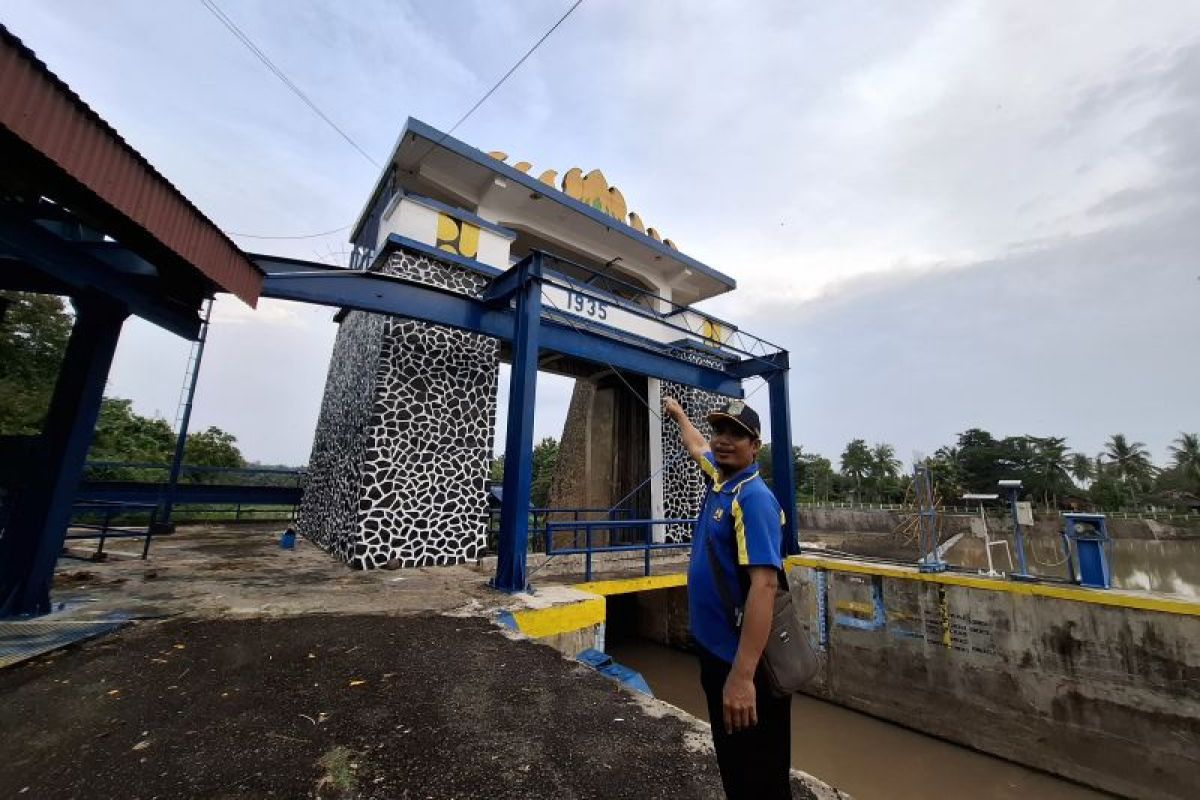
(846, 520)
(1106, 693)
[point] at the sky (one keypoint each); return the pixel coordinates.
(952, 214)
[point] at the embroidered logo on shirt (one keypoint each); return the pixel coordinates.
(720, 512)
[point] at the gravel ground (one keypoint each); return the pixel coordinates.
(338, 707)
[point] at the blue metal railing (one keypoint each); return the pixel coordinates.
(105, 529)
(589, 527)
(625, 533)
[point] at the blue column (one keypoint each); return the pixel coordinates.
(518, 441)
(1018, 537)
(783, 468)
(31, 546)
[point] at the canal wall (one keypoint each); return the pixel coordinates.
(819, 519)
(1102, 687)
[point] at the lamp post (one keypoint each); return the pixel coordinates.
(1014, 490)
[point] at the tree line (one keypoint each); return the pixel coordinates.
(1121, 477)
(33, 339)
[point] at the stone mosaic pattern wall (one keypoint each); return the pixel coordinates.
(328, 512)
(417, 484)
(683, 486)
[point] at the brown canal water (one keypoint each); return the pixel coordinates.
(867, 757)
(1170, 566)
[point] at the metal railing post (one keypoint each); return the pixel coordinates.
(588, 556)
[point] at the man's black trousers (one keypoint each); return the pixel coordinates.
(754, 763)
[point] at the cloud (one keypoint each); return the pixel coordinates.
(913, 199)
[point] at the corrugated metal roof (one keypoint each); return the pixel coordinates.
(41, 110)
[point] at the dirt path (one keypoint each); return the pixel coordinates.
(275, 708)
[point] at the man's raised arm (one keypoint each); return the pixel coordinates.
(693, 441)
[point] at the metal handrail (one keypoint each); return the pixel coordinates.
(106, 530)
(589, 526)
(1168, 516)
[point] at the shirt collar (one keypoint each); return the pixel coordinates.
(737, 480)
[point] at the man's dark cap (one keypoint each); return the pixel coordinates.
(740, 413)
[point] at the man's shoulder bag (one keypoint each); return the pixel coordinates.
(788, 661)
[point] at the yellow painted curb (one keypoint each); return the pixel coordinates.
(1102, 597)
(627, 585)
(539, 622)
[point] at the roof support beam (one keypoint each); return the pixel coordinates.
(81, 272)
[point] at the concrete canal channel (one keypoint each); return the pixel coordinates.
(1100, 687)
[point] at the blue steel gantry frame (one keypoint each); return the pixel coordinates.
(511, 310)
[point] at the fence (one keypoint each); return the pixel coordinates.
(621, 533)
(104, 529)
(1160, 516)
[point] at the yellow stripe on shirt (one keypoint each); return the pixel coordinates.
(739, 532)
(710, 470)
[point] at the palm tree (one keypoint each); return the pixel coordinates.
(1186, 452)
(1130, 463)
(884, 465)
(1081, 467)
(1049, 463)
(856, 464)
(946, 467)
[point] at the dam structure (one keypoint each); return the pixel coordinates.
(398, 471)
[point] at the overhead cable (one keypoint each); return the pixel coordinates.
(253, 48)
(500, 82)
(299, 236)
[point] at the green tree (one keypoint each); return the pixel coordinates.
(816, 477)
(945, 465)
(766, 468)
(33, 338)
(1129, 464)
(210, 448)
(856, 464)
(982, 460)
(1186, 453)
(545, 457)
(1107, 492)
(883, 469)
(1081, 467)
(1048, 468)
(496, 468)
(125, 436)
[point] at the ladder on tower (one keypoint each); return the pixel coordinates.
(187, 390)
(183, 414)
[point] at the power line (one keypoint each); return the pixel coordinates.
(253, 48)
(301, 236)
(513, 69)
(500, 82)
(244, 39)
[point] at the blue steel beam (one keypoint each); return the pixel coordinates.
(518, 444)
(503, 287)
(30, 546)
(759, 365)
(82, 271)
(386, 294)
(783, 468)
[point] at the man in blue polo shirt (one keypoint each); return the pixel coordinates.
(737, 541)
